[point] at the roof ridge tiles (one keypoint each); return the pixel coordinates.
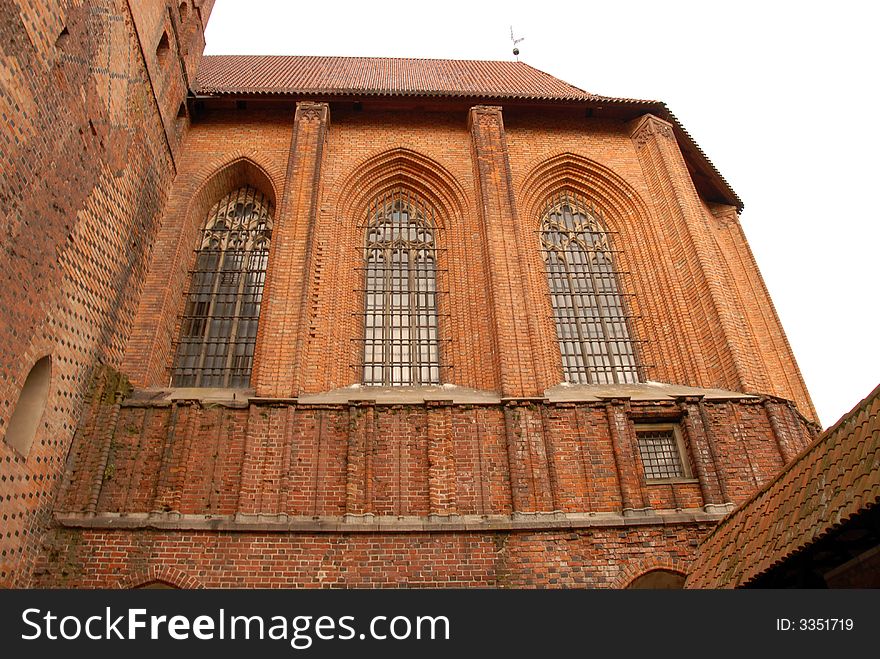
(289, 73)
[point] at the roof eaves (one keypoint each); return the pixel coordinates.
(684, 134)
(262, 91)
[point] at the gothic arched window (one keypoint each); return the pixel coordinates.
(219, 325)
(591, 322)
(401, 346)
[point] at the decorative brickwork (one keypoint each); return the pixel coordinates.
(306, 459)
(281, 339)
(497, 476)
(426, 475)
(90, 138)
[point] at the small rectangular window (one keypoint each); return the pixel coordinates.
(662, 451)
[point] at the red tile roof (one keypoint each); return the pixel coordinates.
(382, 76)
(832, 480)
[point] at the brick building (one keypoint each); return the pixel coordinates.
(317, 321)
(816, 525)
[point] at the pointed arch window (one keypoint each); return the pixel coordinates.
(401, 346)
(592, 325)
(219, 325)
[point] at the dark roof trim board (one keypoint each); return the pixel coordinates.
(341, 77)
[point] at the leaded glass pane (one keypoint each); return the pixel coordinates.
(218, 329)
(592, 326)
(400, 300)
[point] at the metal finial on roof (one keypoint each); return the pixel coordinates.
(515, 41)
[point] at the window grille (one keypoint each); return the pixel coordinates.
(660, 450)
(219, 324)
(401, 346)
(592, 325)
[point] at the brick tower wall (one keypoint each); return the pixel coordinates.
(93, 125)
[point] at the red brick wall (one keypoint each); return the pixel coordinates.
(86, 161)
(332, 459)
(693, 287)
(586, 558)
(364, 494)
(96, 273)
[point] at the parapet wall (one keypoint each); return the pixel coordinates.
(430, 492)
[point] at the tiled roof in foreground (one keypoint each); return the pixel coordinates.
(382, 76)
(832, 480)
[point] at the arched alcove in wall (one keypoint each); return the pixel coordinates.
(583, 226)
(658, 580)
(159, 577)
(25, 420)
(155, 585)
(215, 346)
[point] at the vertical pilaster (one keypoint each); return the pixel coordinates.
(281, 341)
(441, 459)
(708, 322)
(134, 480)
(515, 355)
(703, 455)
(108, 432)
(283, 504)
(549, 449)
(184, 452)
(162, 495)
(249, 485)
(787, 448)
(532, 490)
(520, 495)
(713, 451)
(358, 486)
(629, 470)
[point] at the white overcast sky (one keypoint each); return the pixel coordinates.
(779, 95)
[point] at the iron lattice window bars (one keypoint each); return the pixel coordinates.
(219, 324)
(592, 325)
(661, 449)
(401, 345)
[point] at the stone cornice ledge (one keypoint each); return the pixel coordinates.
(368, 523)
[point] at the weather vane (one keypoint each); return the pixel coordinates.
(515, 41)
